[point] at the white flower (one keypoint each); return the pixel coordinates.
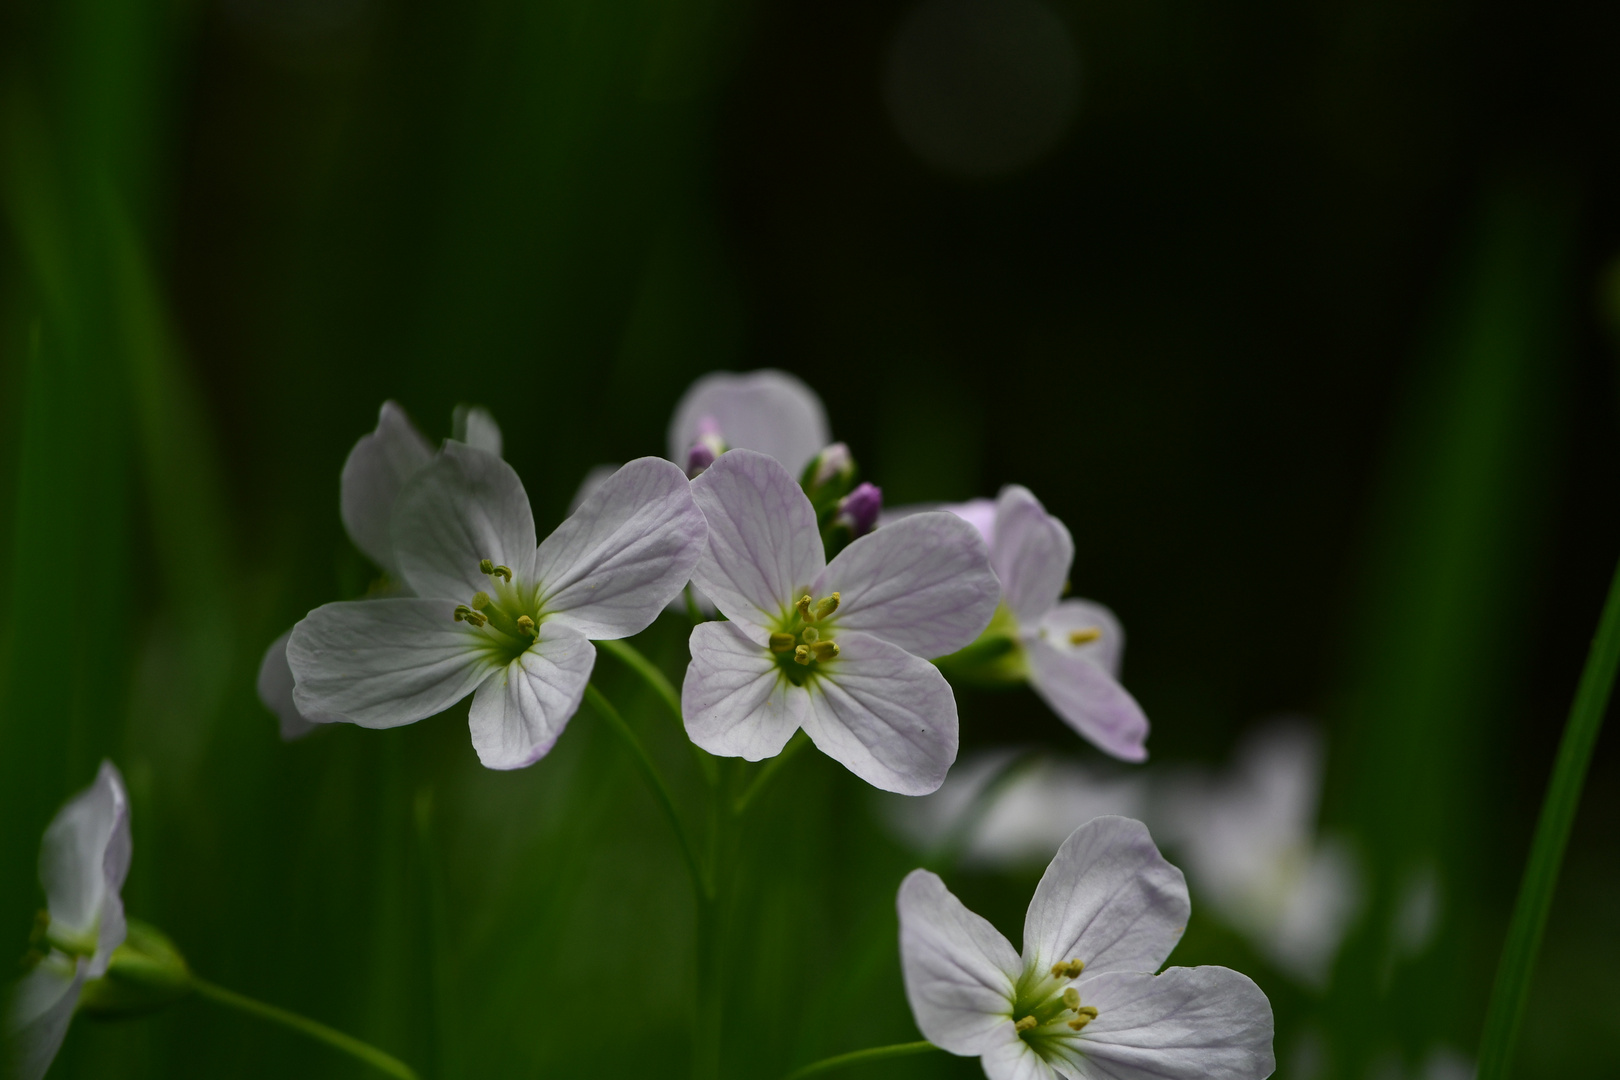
(1068, 650)
(1250, 844)
(82, 863)
(376, 470)
(1082, 1001)
(837, 649)
(493, 615)
(768, 411)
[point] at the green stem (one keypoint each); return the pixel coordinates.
(637, 662)
(861, 1057)
(768, 771)
(1547, 849)
(655, 780)
(304, 1025)
(444, 997)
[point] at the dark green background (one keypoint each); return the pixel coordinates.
(1301, 331)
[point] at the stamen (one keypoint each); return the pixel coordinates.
(526, 625)
(1028, 1023)
(487, 566)
(802, 654)
(827, 607)
(810, 634)
(824, 650)
(1071, 999)
(1088, 1013)
(803, 608)
(469, 616)
(782, 642)
(1070, 970)
(1081, 637)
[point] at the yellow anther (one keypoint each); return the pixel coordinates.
(1070, 970)
(1028, 1023)
(526, 625)
(1081, 637)
(824, 650)
(809, 635)
(487, 566)
(803, 608)
(1071, 999)
(802, 654)
(1088, 1013)
(469, 616)
(827, 606)
(782, 642)
(480, 600)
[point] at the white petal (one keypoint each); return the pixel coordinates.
(735, 699)
(923, 583)
(383, 663)
(1204, 1023)
(477, 428)
(1109, 899)
(83, 860)
(466, 506)
(1089, 699)
(980, 513)
(887, 716)
(517, 716)
(38, 1010)
(376, 471)
(763, 543)
(1084, 616)
(276, 692)
(768, 411)
(960, 972)
(1032, 554)
(610, 568)
(1014, 1059)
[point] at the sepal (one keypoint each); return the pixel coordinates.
(147, 973)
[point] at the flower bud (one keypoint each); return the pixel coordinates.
(702, 453)
(835, 462)
(858, 511)
(146, 973)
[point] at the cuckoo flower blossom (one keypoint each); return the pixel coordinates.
(493, 615)
(1082, 1001)
(768, 411)
(1068, 650)
(378, 467)
(836, 649)
(82, 863)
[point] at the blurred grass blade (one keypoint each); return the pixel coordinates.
(1552, 837)
(861, 1057)
(316, 1030)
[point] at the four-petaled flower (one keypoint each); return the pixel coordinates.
(769, 411)
(837, 649)
(1082, 1002)
(493, 615)
(1068, 650)
(376, 470)
(82, 863)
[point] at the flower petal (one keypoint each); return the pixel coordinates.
(1109, 899)
(1015, 1059)
(887, 716)
(979, 513)
(1203, 1023)
(83, 860)
(1032, 554)
(38, 1010)
(610, 568)
(735, 700)
(475, 426)
(768, 411)
(466, 506)
(595, 477)
(384, 663)
(376, 471)
(960, 972)
(517, 716)
(923, 583)
(276, 692)
(1082, 617)
(763, 543)
(1088, 699)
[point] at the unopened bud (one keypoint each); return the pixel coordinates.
(833, 463)
(858, 511)
(710, 445)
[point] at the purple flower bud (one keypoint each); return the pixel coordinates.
(709, 445)
(859, 509)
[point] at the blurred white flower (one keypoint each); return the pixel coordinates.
(768, 411)
(837, 649)
(491, 614)
(376, 470)
(1004, 808)
(1082, 1001)
(1248, 840)
(83, 860)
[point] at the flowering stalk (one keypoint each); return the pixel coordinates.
(861, 1057)
(1552, 837)
(348, 1044)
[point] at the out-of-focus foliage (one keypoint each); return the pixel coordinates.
(1295, 321)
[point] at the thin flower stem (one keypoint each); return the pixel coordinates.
(770, 769)
(1547, 849)
(655, 780)
(367, 1053)
(637, 662)
(861, 1057)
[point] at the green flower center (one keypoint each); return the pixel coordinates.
(507, 615)
(1046, 1008)
(803, 640)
